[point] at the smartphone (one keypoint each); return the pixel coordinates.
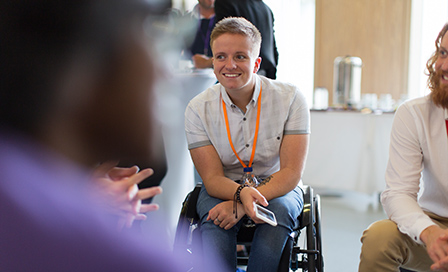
(265, 215)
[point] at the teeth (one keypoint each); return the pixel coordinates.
(445, 77)
(231, 75)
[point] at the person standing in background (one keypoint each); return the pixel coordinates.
(204, 14)
(258, 13)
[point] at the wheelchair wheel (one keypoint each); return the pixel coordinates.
(317, 229)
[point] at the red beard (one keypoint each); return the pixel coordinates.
(439, 94)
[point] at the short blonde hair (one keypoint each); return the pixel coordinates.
(240, 26)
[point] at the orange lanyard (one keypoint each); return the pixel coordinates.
(247, 168)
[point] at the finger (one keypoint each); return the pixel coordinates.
(149, 192)
(217, 222)
(148, 208)
(435, 254)
(438, 267)
(129, 220)
(444, 263)
(102, 169)
(440, 248)
(140, 217)
(443, 238)
(118, 173)
(139, 177)
(212, 214)
(132, 192)
(260, 199)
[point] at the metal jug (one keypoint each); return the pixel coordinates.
(347, 82)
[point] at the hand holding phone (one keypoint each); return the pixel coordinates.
(265, 215)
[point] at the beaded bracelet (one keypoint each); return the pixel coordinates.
(237, 199)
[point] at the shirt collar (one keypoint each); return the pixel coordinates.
(255, 95)
(257, 90)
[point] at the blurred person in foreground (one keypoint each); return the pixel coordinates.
(415, 236)
(76, 80)
(246, 124)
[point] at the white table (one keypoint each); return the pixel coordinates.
(348, 151)
(173, 97)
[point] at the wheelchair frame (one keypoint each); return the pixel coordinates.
(308, 258)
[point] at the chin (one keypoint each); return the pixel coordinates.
(440, 95)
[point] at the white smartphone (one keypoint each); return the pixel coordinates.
(265, 215)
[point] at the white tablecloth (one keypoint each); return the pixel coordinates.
(348, 151)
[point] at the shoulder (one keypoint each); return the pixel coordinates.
(276, 88)
(417, 107)
(207, 96)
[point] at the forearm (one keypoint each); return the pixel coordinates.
(220, 187)
(209, 167)
(404, 210)
(279, 183)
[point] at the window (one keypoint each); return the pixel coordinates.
(427, 19)
(294, 33)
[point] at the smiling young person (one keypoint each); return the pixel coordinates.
(415, 236)
(246, 123)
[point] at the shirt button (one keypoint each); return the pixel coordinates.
(247, 145)
(278, 138)
(244, 119)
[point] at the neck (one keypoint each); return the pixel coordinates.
(241, 99)
(206, 12)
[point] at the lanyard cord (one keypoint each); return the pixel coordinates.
(247, 168)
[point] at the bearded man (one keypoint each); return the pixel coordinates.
(415, 236)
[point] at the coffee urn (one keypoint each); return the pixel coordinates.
(347, 82)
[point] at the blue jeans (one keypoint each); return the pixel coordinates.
(268, 243)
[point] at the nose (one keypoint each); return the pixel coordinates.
(230, 64)
(444, 64)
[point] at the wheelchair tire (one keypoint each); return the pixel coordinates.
(318, 233)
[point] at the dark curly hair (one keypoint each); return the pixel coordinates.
(433, 78)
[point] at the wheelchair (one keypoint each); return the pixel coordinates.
(304, 253)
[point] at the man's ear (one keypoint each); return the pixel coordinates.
(257, 65)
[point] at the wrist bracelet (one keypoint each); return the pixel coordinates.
(237, 199)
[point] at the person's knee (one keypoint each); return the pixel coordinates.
(380, 230)
(288, 207)
(381, 237)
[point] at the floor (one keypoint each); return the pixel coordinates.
(344, 218)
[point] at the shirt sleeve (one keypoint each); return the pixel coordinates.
(194, 129)
(299, 115)
(403, 175)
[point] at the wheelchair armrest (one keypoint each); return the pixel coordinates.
(306, 217)
(189, 204)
